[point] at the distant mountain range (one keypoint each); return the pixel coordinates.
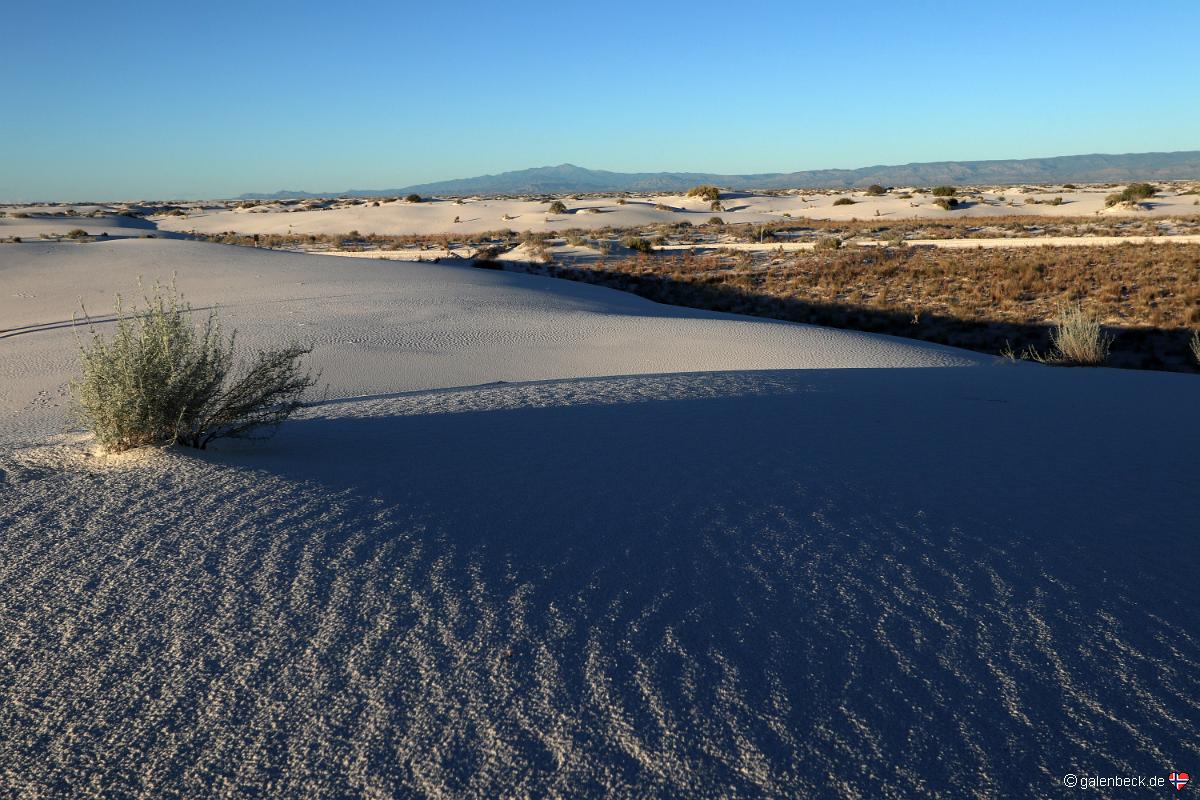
(568, 178)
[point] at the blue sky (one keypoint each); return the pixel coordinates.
(155, 100)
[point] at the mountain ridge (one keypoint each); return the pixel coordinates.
(569, 178)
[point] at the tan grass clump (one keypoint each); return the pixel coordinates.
(1078, 339)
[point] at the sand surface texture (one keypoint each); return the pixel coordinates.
(676, 554)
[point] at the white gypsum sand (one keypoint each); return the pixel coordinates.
(674, 553)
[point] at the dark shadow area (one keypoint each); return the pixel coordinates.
(692, 586)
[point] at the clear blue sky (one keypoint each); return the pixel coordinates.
(155, 100)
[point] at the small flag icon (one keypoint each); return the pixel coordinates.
(1179, 780)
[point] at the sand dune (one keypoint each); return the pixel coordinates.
(676, 554)
(478, 215)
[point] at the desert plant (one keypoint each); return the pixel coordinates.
(638, 243)
(705, 192)
(1077, 339)
(943, 191)
(412, 198)
(161, 380)
(557, 207)
(715, 221)
(828, 243)
(1131, 194)
(715, 205)
(1195, 345)
(843, 201)
(875, 190)
(77, 233)
(621, 201)
(1057, 201)
(948, 203)
(1070, 186)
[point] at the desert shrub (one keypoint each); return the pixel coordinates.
(1195, 345)
(715, 221)
(557, 207)
(77, 233)
(943, 191)
(1070, 186)
(843, 201)
(705, 192)
(576, 239)
(621, 201)
(1131, 194)
(715, 205)
(1057, 201)
(161, 380)
(412, 198)
(948, 203)
(20, 215)
(662, 207)
(638, 243)
(1078, 339)
(875, 190)
(828, 243)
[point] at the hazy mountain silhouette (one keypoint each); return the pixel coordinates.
(568, 178)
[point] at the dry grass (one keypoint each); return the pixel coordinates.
(1078, 339)
(1148, 295)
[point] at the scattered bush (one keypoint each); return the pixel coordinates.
(161, 380)
(1077, 339)
(705, 192)
(943, 191)
(621, 201)
(20, 215)
(1132, 193)
(557, 207)
(1058, 201)
(638, 243)
(828, 243)
(77, 233)
(715, 205)
(843, 201)
(875, 190)
(948, 203)
(715, 221)
(1070, 186)
(662, 207)
(412, 198)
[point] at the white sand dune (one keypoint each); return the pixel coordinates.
(478, 215)
(678, 554)
(391, 326)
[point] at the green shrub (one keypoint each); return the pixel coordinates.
(715, 205)
(557, 207)
(638, 243)
(875, 190)
(77, 233)
(715, 221)
(161, 380)
(705, 192)
(943, 191)
(412, 198)
(1131, 194)
(1070, 186)
(948, 203)
(843, 201)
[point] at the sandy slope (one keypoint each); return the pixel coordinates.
(399, 217)
(389, 326)
(760, 582)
